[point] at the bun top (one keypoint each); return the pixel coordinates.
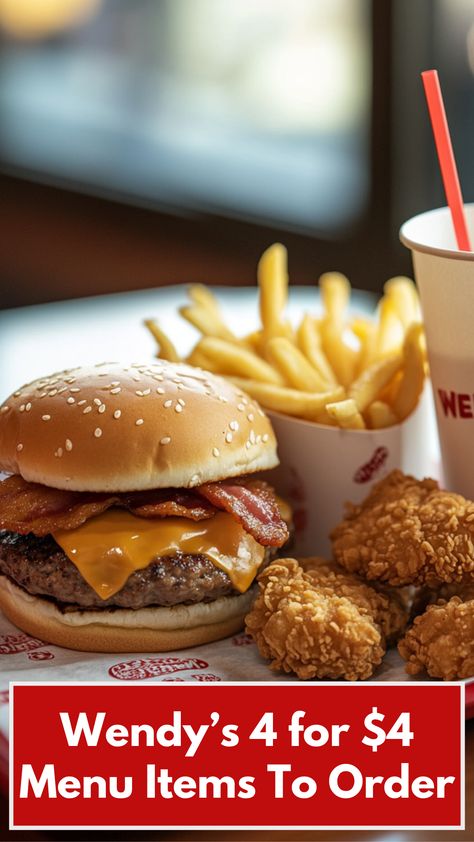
(115, 427)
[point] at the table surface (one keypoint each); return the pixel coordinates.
(38, 340)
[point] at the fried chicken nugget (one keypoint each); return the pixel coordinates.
(442, 640)
(408, 531)
(317, 621)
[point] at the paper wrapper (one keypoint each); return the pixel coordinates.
(23, 658)
(321, 468)
(445, 278)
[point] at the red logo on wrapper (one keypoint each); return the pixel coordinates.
(277, 755)
(11, 644)
(142, 668)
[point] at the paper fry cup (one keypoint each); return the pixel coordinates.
(445, 278)
(322, 467)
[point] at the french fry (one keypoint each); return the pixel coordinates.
(208, 322)
(203, 297)
(380, 415)
(366, 332)
(402, 292)
(390, 329)
(237, 360)
(293, 366)
(309, 341)
(342, 359)
(199, 359)
(272, 275)
(166, 349)
(335, 294)
(289, 401)
(413, 378)
(346, 414)
(370, 383)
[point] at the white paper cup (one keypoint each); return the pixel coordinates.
(321, 467)
(445, 279)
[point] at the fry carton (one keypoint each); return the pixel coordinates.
(322, 468)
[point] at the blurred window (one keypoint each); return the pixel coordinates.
(258, 109)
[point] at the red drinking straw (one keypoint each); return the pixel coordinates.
(447, 164)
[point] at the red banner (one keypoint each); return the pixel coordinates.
(215, 755)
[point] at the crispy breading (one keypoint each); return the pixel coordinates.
(408, 531)
(388, 608)
(317, 621)
(441, 641)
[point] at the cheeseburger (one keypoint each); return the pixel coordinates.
(132, 519)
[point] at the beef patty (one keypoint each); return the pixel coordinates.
(40, 566)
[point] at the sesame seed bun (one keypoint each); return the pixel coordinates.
(122, 629)
(115, 427)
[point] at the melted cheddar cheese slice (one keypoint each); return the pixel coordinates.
(108, 548)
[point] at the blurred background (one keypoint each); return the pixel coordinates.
(152, 142)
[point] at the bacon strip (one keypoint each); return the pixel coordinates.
(253, 505)
(29, 507)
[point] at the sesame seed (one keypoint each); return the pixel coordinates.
(167, 404)
(157, 377)
(68, 444)
(265, 437)
(258, 438)
(19, 447)
(139, 422)
(146, 391)
(53, 392)
(46, 417)
(16, 394)
(178, 408)
(195, 478)
(81, 403)
(252, 436)
(97, 432)
(251, 416)
(234, 425)
(240, 407)
(97, 401)
(115, 391)
(59, 452)
(177, 380)
(117, 413)
(101, 408)
(71, 400)
(223, 399)
(160, 390)
(245, 401)
(137, 379)
(74, 389)
(248, 444)
(61, 390)
(261, 412)
(86, 410)
(228, 437)
(115, 383)
(43, 394)
(165, 440)
(139, 393)
(22, 407)
(4, 409)
(215, 451)
(181, 402)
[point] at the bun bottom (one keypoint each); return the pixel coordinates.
(122, 629)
